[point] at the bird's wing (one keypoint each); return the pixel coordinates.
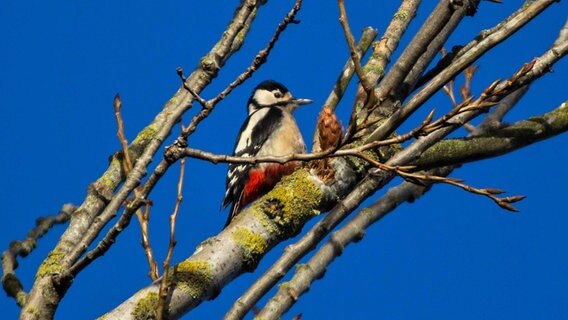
(254, 133)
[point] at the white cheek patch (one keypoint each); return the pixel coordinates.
(264, 98)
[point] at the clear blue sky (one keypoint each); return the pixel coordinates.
(450, 255)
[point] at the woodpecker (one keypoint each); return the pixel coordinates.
(269, 130)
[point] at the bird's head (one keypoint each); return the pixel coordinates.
(273, 94)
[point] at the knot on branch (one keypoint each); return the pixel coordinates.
(261, 57)
(174, 151)
(101, 191)
(208, 64)
(62, 281)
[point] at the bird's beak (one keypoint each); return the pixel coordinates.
(302, 101)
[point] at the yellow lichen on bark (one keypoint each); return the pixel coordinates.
(192, 277)
(253, 245)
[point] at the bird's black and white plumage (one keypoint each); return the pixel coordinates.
(269, 130)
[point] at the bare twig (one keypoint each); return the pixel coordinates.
(109, 192)
(162, 309)
(379, 59)
(179, 71)
(262, 56)
(162, 167)
(258, 60)
(367, 85)
(344, 78)
(221, 251)
(448, 88)
(493, 120)
(366, 187)
(355, 151)
(513, 25)
(12, 285)
(420, 179)
(143, 217)
(465, 90)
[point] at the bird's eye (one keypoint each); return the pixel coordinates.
(278, 94)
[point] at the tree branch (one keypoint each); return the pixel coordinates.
(457, 66)
(355, 57)
(346, 74)
(365, 188)
(162, 309)
(143, 217)
(49, 287)
(497, 142)
(288, 293)
(172, 151)
(12, 285)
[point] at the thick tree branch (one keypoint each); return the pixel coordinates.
(457, 66)
(172, 152)
(373, 182)
(288, 293)
(354, 229)
(430, 28)
(281, 213)
(497, 142)
(382, 51)
(49, 287)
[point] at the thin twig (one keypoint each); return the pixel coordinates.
(258, 61)
(179, 71)
(465, 91)
(127, 163)
(223, 252)
(162, 167)
(477, 50)
(162, 310)
(367, 85)
(347, 72)
(262, 56)
(378, 61)
(448, 88)
(110, 191)
(420, 179)
(493, 120)
(355, 151)
(363, 190)
(12, 285)
(127, 167)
